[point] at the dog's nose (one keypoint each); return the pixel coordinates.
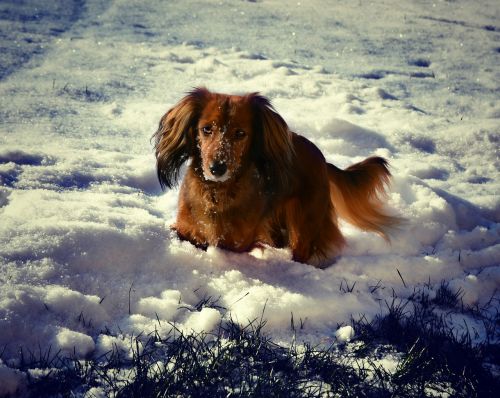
(218, 169)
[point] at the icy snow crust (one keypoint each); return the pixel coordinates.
(86, 255)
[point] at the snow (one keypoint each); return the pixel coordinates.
(206, 319)
(344, 334)
(12, 379)
(95, 392)
(74, 343)
(87, 259)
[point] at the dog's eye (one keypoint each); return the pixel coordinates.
(240, 134)
(207, 130)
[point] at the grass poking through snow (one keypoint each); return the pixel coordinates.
(411, 350)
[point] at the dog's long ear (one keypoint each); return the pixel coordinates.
(273, 147)
(174, 139)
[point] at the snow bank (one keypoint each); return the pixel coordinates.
(87, 260)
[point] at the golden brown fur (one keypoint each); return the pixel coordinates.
(251, 181)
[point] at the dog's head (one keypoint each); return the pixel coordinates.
(224, 135)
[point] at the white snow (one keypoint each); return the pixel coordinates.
(87, 260)
(344, 333)
(164, 307)
(95, 392)
(205, 320)
(74, 343)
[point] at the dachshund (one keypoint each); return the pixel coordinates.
(252, 182)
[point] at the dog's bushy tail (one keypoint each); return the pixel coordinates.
(357, 194)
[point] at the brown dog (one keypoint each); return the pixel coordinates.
(251, 181)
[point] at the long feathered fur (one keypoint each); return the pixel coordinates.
(273, 149)
(358, 194)
(174, 139)
(251, 181)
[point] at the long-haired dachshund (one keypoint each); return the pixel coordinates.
(252, 182)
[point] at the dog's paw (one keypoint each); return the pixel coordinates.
(323, 262)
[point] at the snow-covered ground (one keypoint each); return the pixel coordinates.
(86, 256)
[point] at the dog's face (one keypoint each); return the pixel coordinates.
(224, 135)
